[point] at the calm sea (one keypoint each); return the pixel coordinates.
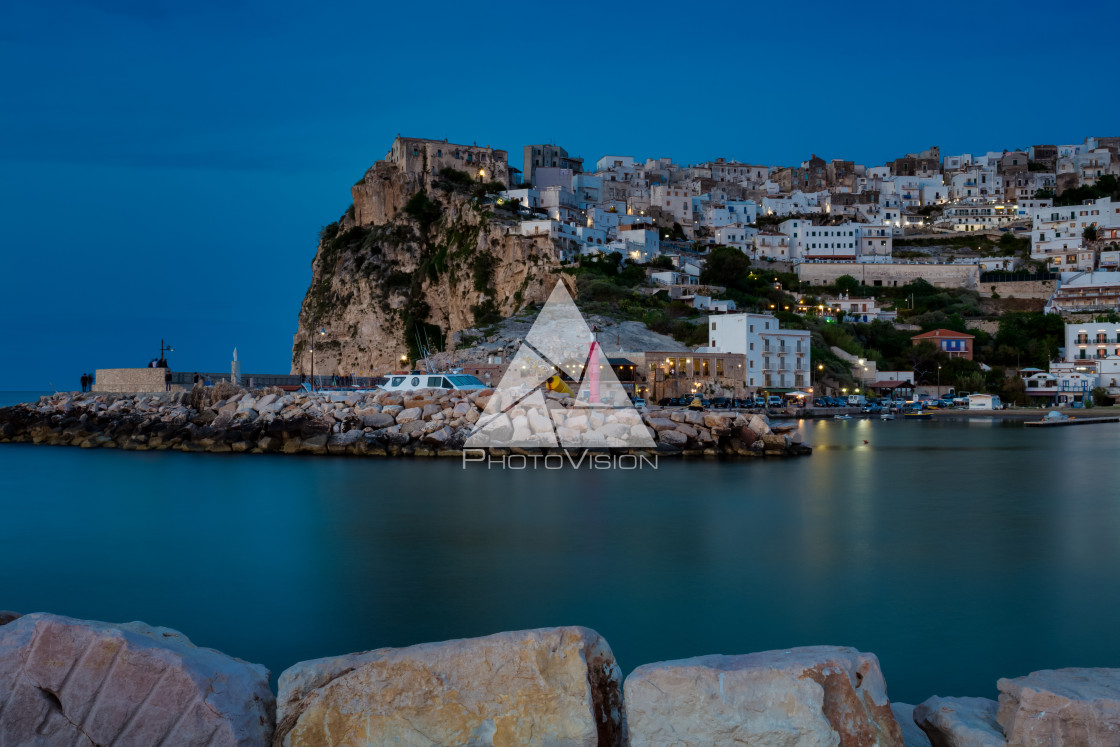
(959, 552)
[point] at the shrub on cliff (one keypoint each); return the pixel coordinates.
(424, 210)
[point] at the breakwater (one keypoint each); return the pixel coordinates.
(426, 422)
(69, 681)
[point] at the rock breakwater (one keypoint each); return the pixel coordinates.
(426, 422)
(65, 682)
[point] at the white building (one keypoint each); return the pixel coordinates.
(770, 245)
(1057, 232)
(674, 200)
(847, 241)
(861, 309)
(970, 215)
(1085, 292)
(529, 198)
(777, 358)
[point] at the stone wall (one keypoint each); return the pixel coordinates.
(1042, 289)
(131, 380)
(890, 275)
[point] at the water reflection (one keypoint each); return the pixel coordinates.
(958, 552)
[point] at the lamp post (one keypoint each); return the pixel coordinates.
(164, 349)
(404, 362)
(939, 381)
(321, 332)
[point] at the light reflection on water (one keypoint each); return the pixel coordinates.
(958, 551)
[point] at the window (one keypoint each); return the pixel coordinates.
(397, 380)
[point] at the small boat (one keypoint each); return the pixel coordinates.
(841, 417)
(416, 380)
(783, 427)
(917, 416)
(887, 416)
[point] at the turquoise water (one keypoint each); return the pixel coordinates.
(959, 552)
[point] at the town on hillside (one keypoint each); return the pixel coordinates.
(924, 277)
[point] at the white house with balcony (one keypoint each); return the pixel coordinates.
(1095, 348)
(1085, 292)
(777, 359)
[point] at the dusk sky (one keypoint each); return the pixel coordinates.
(166, 166)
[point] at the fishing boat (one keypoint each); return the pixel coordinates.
(917, 416)
(886, 416)
(841, 417)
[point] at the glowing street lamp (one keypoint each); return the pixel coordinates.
(322, 332)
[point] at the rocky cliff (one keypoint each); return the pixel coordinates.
(414, 254)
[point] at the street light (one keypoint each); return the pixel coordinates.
(939, 381)
(404, 362)
(321, 332)
(164, 349)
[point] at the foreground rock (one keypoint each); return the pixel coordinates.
(817, 695)
(912, 735)
(1061, 706)
(428, 422)
(76, 682)
(546, 686)
(959, 722)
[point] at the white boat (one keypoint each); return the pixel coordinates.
(841, 417)
(412, 381)
(887, 416)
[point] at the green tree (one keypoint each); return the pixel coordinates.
(846, 284)
(1090, 233)
(728, 267)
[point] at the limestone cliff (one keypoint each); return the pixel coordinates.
(414, 253)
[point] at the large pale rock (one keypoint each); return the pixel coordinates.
(549, 686)
(77, 682)
(912, 735)
(377, 420)
(408, 415)
(959, 722)
(817, 695)
(672, 438)
(1061, 707)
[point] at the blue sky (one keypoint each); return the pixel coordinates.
(164, 167)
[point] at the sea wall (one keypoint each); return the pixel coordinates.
(65, 681)
(426, 422)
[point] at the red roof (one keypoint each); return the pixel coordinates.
(942, 333)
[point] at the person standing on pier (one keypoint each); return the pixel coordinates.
(85, 382)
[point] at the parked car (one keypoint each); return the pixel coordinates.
(758, 402)
(820, 402)
(872, 407)
(639, 402)
(664, 401)
(721, 403)
(705, 402)
(774, 401)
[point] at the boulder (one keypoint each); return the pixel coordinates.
(66, 681)
(377, 420)
(959, 722)
(409, 415)
(816, 695)
(672, 438)
(912, 735)
(546, 686)
(661, 424)
(1061, 706)
(430, 410)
